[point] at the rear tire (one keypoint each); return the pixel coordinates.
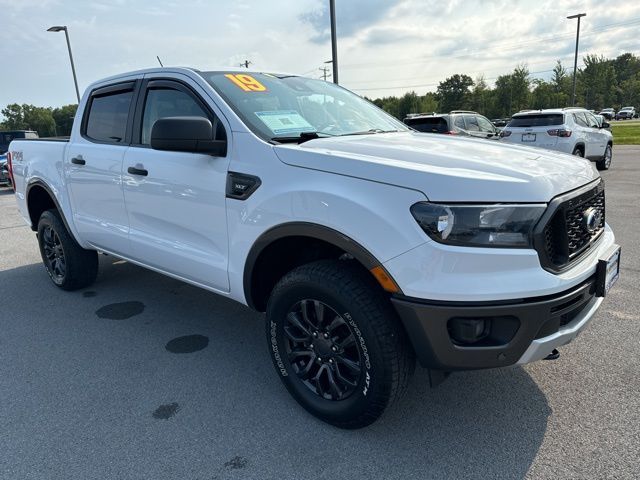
(69, 266)
(605, 163)
(578, 152)
(337, 344)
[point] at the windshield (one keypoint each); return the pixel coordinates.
(277, 106)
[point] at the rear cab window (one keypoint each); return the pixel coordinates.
(107, 115)
(536, 120)
(429, 125)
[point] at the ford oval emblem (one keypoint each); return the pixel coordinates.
(591, 219)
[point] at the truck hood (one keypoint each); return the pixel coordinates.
(445, 168)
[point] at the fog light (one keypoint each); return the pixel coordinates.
(467, 331)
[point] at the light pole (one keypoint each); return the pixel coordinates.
(73, 67)
(575, 60)
(334, 40)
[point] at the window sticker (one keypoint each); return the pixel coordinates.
(246, 82)
(285, 121)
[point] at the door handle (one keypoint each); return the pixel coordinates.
(78, 160)
(137, 171)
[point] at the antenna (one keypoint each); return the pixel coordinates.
(246, 63)
(159, 61)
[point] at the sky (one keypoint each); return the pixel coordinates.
(385, 47)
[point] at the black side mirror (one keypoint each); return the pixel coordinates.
(186, 134)
(605, 125)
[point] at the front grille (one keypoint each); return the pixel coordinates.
(567, 235)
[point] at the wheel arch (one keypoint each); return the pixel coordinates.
(261, 272)
(39, 198)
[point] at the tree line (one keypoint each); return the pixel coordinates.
(47, 121)
(601, 83)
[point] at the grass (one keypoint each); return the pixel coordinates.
(626, 132)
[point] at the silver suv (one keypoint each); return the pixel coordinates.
(569, 130)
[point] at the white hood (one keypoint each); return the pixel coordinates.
(445, 168)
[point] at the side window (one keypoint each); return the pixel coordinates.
(580, 120)
(107, 118)
(459, 122)
(168, 102)
(485, 125)
(472, 123)
(591, 121)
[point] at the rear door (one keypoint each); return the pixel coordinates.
(176, 200)
(94, 167)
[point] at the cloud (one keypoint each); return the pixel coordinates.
(351, 16)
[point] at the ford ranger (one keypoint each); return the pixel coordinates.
(368, 245)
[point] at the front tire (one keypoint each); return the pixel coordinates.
(605, 163)
(337, 343)
(69, 266)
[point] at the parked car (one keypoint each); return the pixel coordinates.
(457, 122)
(569, 130)
(499, 122)
(626, 113)
(4, 171)
(367, 244)
(7, 135)
(608, 113)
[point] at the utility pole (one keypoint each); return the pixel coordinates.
(575, 60)
(334, 40)
(324, 71)
(246, 63)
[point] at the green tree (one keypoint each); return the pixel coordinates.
(63, 117)
(29, 117)
(597, 82)
(512, 91)
(479, 99)
(453, 93)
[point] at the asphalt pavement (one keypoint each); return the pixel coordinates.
(144, 377)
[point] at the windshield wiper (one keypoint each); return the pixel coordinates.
(303, 137)
(369, 132)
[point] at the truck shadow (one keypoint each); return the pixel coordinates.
(226, 401)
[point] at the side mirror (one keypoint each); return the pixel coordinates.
(605, 125)
(186, 134)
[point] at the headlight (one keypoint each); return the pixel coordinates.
(479, 225)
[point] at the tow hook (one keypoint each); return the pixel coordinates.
(554, 355)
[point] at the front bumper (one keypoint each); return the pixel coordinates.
(521, 331)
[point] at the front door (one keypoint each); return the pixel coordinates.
(176, 200)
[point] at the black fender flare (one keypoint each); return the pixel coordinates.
(304, 229)
(46, 188)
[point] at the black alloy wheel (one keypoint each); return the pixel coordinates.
(53, 254)
(322, 350)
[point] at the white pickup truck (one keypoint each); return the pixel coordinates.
(367, 244)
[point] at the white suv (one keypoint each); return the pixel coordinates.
(570, 130)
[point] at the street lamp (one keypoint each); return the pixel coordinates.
(334, 40)
(73, 68)
(575, 60)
